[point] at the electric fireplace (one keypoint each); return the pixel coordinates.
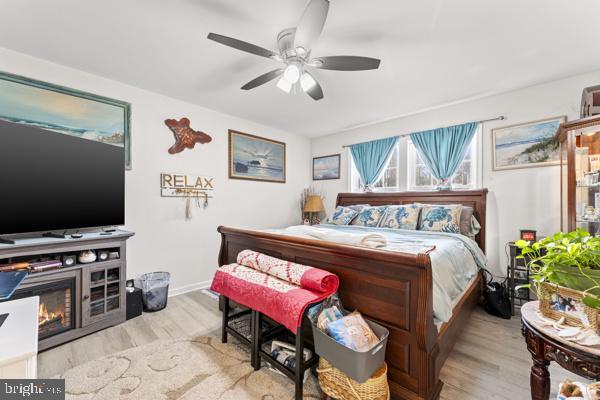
(57, 306)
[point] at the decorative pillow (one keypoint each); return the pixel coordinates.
(370, 216)
(469, 226)
(441, 218)
(342, 216)
(401, 217)
(465, 220)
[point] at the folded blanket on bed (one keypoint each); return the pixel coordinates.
(367, 239)
(297, 274)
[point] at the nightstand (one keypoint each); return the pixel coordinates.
(517, 274)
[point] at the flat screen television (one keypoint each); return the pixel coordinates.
(53, 182)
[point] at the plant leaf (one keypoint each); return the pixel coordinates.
(592, 302)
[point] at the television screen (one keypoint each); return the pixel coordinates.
(52, 181)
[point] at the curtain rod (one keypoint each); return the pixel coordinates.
(500, 118)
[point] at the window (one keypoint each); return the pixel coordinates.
(406, 170)
(390, 179)
(419, 177)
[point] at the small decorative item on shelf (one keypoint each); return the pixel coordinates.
(69, 260)
(102, 255)
(528, 235)
(590, 101)
(86, 257)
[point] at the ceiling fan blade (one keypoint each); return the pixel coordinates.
(241, 45)
(345, 63)
(261, 80)
(316, 92)
(311, 24)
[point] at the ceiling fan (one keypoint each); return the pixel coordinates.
(295, 46)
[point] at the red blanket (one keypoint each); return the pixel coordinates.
(279, 299)
(297, 274)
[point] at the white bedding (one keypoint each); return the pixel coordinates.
(455, 258)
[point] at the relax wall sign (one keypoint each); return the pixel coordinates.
(180, 185)
(190, 187)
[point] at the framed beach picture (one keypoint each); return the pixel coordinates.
(67, 111)
(326, 167)
(256, 158)
(526, 145)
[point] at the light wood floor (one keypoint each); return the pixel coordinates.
(489, 361)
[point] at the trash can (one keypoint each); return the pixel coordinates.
(155, 290)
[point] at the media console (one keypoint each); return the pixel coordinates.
(74, 300)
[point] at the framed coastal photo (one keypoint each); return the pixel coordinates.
(68, 111)
(557, 302)
(256, 158)
(326, 167)
(526, 145)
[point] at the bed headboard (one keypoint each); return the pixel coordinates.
(470, 198)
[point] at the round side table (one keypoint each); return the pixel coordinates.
(545, 346)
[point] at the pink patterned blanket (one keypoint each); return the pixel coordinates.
(277, 288)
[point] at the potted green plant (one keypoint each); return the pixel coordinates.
(568, 259)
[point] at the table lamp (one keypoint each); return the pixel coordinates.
(314, 204)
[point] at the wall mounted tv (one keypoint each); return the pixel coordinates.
(52, 181)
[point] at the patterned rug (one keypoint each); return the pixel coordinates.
(188, 369)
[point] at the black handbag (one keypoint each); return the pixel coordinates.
(496, 297)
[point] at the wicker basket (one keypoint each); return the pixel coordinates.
(549, 294)
(338, 385)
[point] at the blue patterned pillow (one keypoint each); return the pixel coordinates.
(342, 216)
(401, 217)
(370, 216)
(441, 218)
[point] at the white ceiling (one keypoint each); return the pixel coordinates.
(433, 51)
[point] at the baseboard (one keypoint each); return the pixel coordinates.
(189, 288)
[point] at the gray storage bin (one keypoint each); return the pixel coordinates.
(359, 366)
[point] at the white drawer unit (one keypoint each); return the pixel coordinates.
(19, 339)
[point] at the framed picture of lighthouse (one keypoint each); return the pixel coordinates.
(256, 158)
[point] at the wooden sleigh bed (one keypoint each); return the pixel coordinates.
(394, 289)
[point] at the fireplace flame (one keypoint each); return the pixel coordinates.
(45, 316)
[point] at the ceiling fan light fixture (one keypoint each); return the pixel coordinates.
(284, 85)
(307, 82)
(292, 73)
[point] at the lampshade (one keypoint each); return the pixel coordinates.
(313, 204)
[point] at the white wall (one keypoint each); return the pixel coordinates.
(164, 240)
(521, 198)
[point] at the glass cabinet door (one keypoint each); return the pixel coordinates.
(102, 292)
(587, 174)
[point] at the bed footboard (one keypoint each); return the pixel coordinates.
(393, 289)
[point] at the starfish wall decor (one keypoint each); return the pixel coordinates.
(185, 137)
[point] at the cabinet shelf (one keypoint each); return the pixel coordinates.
(579, 156)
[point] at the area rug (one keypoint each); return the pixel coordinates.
(188, 369)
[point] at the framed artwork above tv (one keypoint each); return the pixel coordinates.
(64, 110)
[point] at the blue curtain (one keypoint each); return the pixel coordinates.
(371, 158)
(443, 149)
